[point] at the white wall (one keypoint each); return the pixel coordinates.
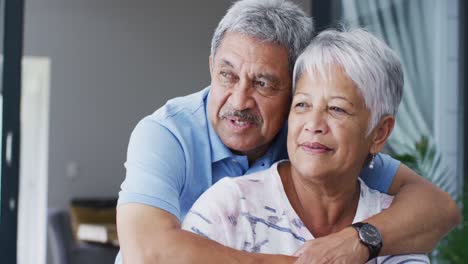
(112, 63)
(32, 203)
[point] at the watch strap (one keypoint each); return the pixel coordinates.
(373, 250)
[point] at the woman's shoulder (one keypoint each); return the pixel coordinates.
(248, 192)
(230, 196)
(374, 200)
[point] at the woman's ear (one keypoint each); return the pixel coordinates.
(381, 133)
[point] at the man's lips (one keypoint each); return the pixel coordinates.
(240, 118)
(315, 147)
(239, 122)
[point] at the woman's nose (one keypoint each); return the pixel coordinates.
(317, 122)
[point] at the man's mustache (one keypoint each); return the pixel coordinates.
(243, 115)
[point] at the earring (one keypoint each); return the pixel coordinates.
(371, 164)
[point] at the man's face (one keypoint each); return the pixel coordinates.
(250, 93)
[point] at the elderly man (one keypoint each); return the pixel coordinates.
(237, 126)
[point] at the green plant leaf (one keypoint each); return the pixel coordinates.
(427, 160)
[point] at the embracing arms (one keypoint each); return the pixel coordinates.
(151, 235)
(420, 215)
(156, 177)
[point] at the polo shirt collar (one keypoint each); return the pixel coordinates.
(277, 150)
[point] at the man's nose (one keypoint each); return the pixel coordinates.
(317, 122)
(241, 96)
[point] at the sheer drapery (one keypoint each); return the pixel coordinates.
(407, 27)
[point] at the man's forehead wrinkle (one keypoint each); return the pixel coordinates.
(256, 70)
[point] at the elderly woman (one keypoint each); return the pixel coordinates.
(347, 88)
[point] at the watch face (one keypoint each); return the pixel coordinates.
(370, 235)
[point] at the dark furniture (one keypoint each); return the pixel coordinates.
(66, 250)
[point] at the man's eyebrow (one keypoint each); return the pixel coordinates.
(269, 77)
(225, 62)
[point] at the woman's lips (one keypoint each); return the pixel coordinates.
(315, 147)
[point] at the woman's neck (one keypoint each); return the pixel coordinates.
(325, 205)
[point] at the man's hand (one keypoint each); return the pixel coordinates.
(340, 247)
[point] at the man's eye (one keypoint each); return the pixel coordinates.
(261, 84)
(226, 75)
(265, 88)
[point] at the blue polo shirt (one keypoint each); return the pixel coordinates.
(174, 155)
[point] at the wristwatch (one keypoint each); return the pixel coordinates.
(370, 236)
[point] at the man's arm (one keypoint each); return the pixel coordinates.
(155, 178)
(151, 235)
(420, 215)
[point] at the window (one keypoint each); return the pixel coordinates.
(425, 34)
(11, 23)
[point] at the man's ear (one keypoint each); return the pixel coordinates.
(210, 62)
(381, 133)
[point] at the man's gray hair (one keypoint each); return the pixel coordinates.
(374, 68)
(277, 21)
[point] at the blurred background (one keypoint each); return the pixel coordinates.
(77, 75)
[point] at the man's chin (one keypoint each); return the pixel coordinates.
(244, 147)
(240, 147)
(243, 151)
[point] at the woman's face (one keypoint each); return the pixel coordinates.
(327, 126)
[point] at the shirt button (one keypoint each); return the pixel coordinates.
(233, 160)
(263, 164)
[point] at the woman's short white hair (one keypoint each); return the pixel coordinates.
(375, 69)
(277, 21)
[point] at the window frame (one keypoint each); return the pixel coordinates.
(11, 83)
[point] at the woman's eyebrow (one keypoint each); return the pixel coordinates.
(301, 94)
(342, 98)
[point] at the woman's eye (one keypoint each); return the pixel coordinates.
(337, 109)
(300, 105)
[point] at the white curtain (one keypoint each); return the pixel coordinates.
(407, 27)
